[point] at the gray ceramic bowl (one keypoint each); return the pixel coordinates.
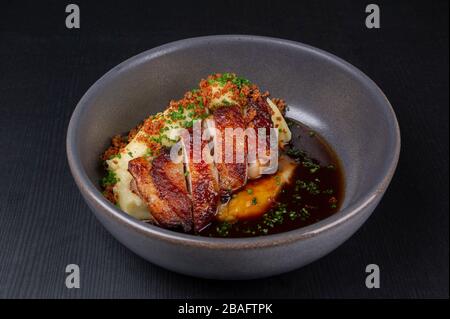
(322, 91)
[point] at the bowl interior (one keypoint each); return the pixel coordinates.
(322, 91)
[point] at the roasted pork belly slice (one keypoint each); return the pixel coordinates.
(161, 184)
(203, 184)
(258, 115)
(230, 147)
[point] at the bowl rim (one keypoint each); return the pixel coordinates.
(92, 194)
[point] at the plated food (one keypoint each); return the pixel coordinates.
(324, 93)
(256, 171)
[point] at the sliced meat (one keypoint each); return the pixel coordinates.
(258, 115)
(203, 184)
(230, 147)
(161, 184)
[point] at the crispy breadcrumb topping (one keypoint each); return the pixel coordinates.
(117, 143)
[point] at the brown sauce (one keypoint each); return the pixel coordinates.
(316, 191)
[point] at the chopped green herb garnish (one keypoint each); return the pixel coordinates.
(254, 201)
(304, 214)
(200, 101)
(240, 82)
(177, 115)
(226, 77)
(173, 140)
(118, 155)
(223, 229)
(295, 153)
(333, 202)
(110, 179)
(156, 139)
(311, 187)
(313, 167)
(293, 215)
(188, 124)
(148, 153)
(263, 230)
(275, 216)
(250, 191)
(278, 180)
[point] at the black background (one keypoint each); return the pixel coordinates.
(45, 69)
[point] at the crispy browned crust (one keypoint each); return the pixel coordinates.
(205, 195)
(258, 115)
(161, 185)
(204, 187)
(232, 176)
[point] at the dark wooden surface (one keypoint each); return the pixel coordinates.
(45, 69)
